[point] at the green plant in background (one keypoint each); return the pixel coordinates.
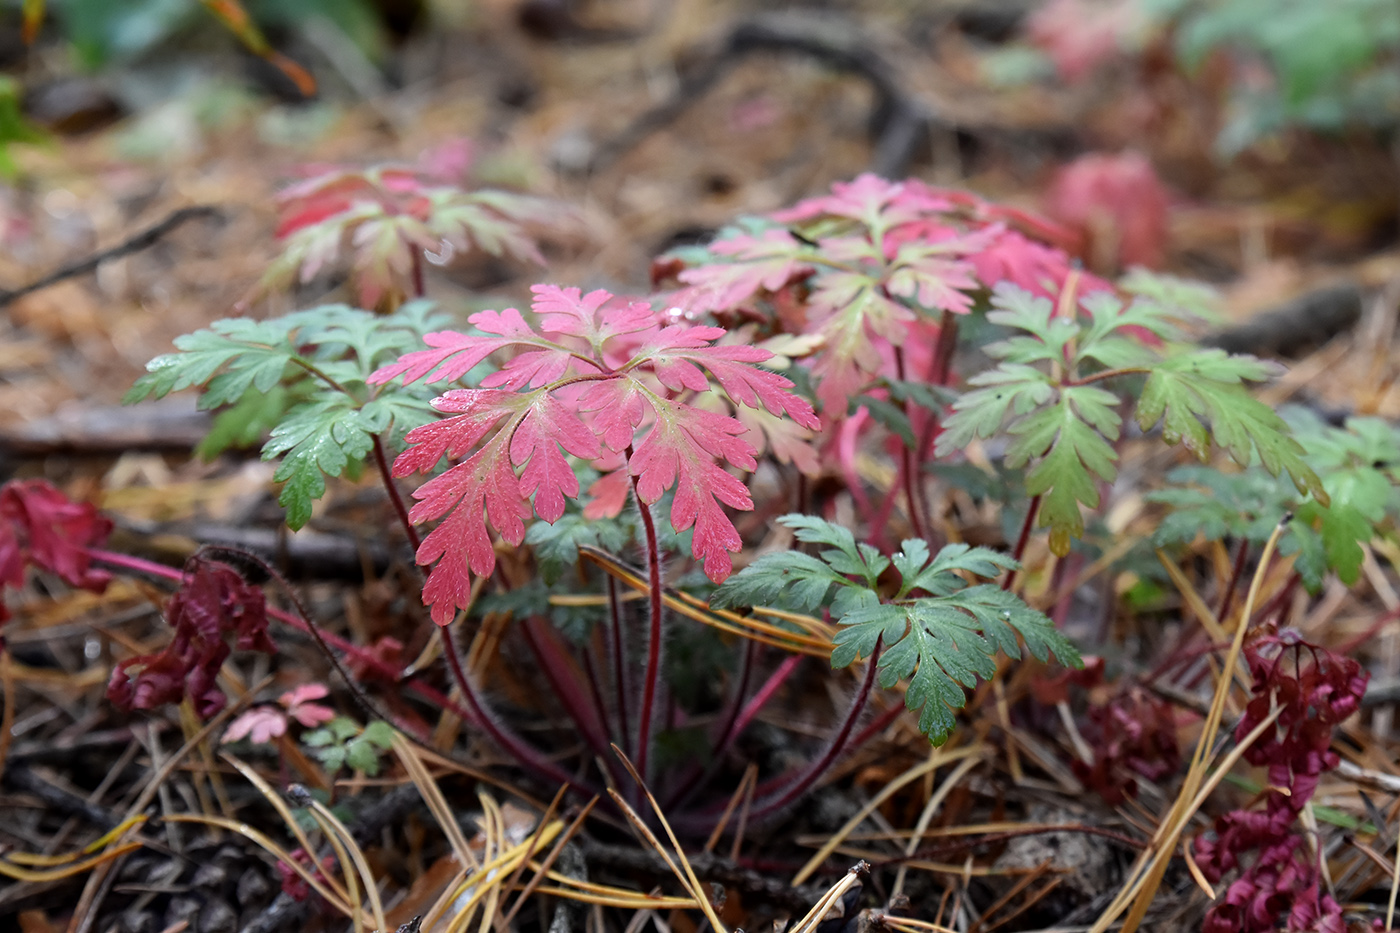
(14, 128)
(1360, 467)
(1046, 399)
(343, 742)
(1325, 66)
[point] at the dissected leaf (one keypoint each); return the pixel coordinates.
(567, 394)
(939, 642)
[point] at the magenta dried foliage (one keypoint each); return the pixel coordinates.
(1278, 885)
(43, 528)
(213, 605)
(1132, 735)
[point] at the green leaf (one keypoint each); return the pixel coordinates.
(246, 422)
(1198, 398)
(255, 353)
(361, 755)
(887, 414)
(1070, 436)
(556, 546)
(940, 577)
(1179, 298)
(318, 738)
(1010, 390)
(379, 734)
(320, 438)
(848, 557)
(333, 757)
(940, 642)
(789, 578)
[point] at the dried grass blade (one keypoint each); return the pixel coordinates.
(1147, 872)
(357, 856)
(437, 804)
(938, 759)
(10, 870)
(689, 879)
(935, 800)
(272, 848)
(549, 859)
(280, 805)
(837, 891)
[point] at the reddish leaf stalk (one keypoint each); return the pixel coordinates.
(877, 725)
(906, 458)
(741, 714)
(619, 653)
(940, 370)
(366, 658)
(382, 462)
(563, 680)
(651, 680)
(600, 709)
(1022, 540)
(418, 288)
(746, 665)
(799, 784)
(513, 744)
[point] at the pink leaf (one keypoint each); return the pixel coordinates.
(454, 354)
(547, 426)
(608, 495)
(768, 261)
(595, 316)
(480, 488)
(260, 725)
(677, 351)
(479, 411)
(620, 407)
(870, 199)
(680, 450)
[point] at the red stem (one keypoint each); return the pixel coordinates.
(798, 785)
(477, 714)
(619, 654)
(552, 661)
(906, 457)
(1022, 540)
(362, 657)
(387, 475)
(513, 744)
(418, 288)
(760, 699)
(652, 678)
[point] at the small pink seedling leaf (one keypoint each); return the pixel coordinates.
(260, 725)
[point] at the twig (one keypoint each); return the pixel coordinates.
(900, 121)
(134, 244)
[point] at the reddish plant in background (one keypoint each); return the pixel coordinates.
(1132, 735)
(262, 724)
(392, 216)
(1314, 690)
(41, 527)
(1116, 206)
(213, 603)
